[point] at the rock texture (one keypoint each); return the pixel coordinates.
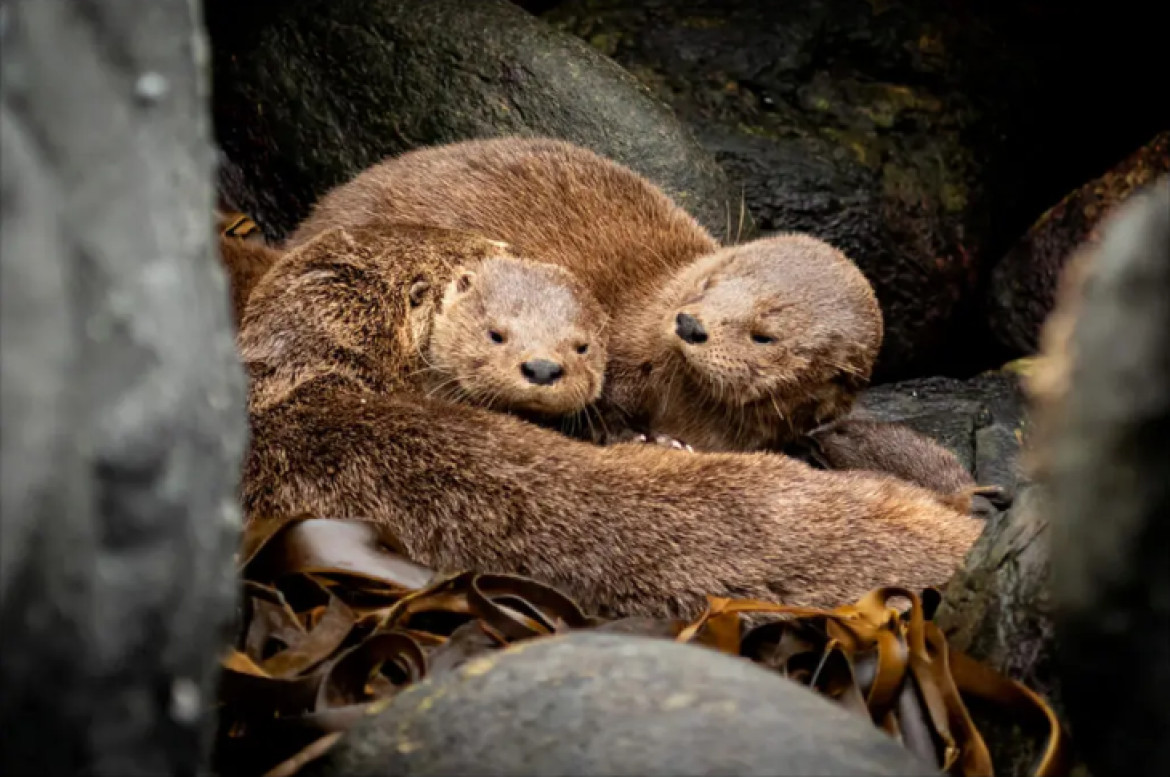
(1023, 283)
(998, 609)
(606, 704)
(1110, 495)
(121, 401)
(308, 93)
(920, 137)
(981, 420)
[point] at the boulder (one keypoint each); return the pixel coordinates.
(311, 92)
(920, 138)
(1023, 283)
(981, 420)
(121, 398)
(1109, 484)
(607, 704)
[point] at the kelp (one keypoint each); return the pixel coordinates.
(336, 621)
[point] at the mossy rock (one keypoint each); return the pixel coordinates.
(919, 138)
(1023, 283)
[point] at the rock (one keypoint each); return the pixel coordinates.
(1109, 486)
(122, 400)
(309, 93)
(604, 704)
(981, 420)
(1023, 283)
(919, 138)
(998, 610)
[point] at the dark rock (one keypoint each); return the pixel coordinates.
(998, 610)
(1023, 283)
(920, 138)
(603, 704)
(981, 420)
(122, 400)
(1110, 493)
(309, 93)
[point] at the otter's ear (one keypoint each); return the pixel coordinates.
(463, 283)
(418, 292)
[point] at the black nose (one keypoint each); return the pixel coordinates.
(542, 372)
(688, 328)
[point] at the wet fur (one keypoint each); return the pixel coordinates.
(898, 450)
(407, 312)
(625, 529)
(639, 254)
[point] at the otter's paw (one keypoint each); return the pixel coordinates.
(665, 440)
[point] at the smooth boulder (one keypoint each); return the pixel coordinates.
(309, 93)
(606, 704)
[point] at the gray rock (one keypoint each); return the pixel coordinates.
(122, 399)
(603, 704)
(1110, 492)
(309, 93)
(982, 420)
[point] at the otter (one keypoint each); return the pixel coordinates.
(626, 529)
(895, 449)
(244, 262)
(734, 349)
(478, 323)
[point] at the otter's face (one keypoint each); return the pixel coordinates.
(519, 335)
(741, 332)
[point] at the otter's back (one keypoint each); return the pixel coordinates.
(552, 201)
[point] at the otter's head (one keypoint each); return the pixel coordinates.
(773, 321)
(518, 335)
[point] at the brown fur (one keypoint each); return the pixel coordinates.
(628, 529)
(244, 262)
(898, 450)
(416, 310)
(645, 260)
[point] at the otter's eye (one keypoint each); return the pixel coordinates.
(583, 348)
(762, 339)
(496, 336)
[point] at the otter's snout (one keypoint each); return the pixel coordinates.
(690, 329)
(542, 372)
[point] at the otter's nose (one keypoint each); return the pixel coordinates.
(542, 372)
(690, 329)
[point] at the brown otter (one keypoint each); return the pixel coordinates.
(474, 322)
(733, 349)
(895, 449)
(244, 262)
(628, 529)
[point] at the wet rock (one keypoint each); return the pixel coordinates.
(309, 93)
(604, 704)
(981, 420)
(920, 138)
(121, 399)
(1023, 283)
(1109, 480)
